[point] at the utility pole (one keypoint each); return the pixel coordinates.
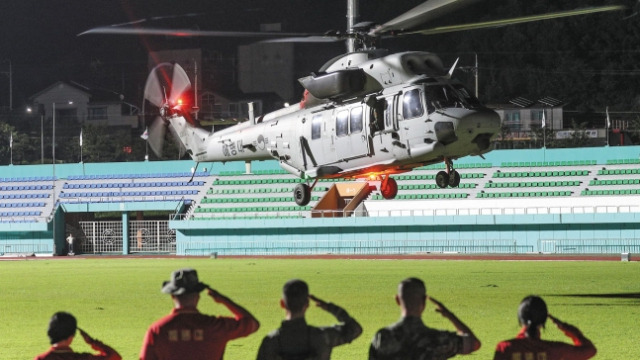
(475, 73)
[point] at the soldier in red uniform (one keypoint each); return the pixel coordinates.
(532, 315)
(62, 330)
(188, 334)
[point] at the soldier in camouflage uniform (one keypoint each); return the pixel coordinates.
(410, 339)
(295, 339)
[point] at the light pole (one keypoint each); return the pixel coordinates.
(53, 155)
(53, 141)
(41, 111)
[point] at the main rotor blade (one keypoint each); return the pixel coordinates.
(179, 84)
(120, 30)
(153, 90)
(421, 14)
(156, 18)
(513, 21)
(305, 39)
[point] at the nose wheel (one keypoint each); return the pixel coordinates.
(448, 178)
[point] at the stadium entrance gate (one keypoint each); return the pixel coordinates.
(144, 236)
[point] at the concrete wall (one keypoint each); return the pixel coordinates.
(553, 233)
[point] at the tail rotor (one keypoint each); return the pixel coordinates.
(165, 86)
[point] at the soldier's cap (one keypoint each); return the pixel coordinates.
(532, 311)
(183, 281)
(61, 326)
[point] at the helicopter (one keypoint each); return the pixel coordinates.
(366, 114)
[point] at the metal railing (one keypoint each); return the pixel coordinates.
(355, 247)
(589, 246)
(25, 248)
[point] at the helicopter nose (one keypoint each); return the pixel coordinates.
(481, 121)
(478, 127)
(485, 125)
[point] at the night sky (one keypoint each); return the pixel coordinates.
(40, 36)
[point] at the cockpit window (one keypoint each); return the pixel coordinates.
(447, 96)
(412, 104)
(468, 98)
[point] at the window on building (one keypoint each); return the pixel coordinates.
(512, 116)
(512, 119)
(536, 115)
(233, 109)
(97, 113)
(207, 99)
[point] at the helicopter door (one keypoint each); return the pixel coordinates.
(351, 136)
(320, 147)
(390, 114)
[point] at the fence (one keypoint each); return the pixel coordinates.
(105, 237)
(101, 237)
(363, 247)
(590, 246)
(25, 248)
(151, 236)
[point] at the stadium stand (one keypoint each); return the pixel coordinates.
(254, 213)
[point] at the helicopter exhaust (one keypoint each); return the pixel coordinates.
(252, 117)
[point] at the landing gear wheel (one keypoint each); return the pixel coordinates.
(302, 194)
(454, 179)
(442, 179)
(389, 188)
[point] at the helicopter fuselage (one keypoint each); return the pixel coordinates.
(405, 112)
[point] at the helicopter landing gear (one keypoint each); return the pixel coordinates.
(449, 177)
(442, 179)
(302, 194)
(388, 188)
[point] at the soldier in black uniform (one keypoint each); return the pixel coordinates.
(295, 340)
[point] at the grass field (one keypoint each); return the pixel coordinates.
(115, 300)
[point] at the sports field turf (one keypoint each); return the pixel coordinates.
(115, 300)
